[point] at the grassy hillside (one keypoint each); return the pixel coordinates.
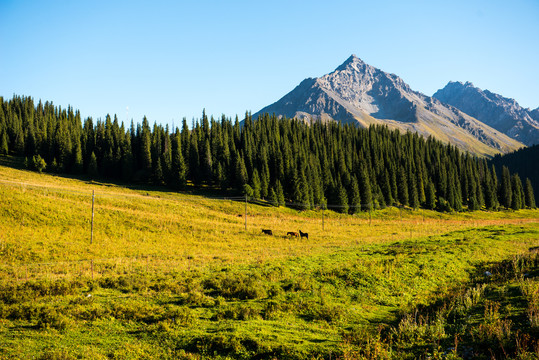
(172, 275)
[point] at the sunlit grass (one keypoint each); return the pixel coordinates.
(50, 220)
(173, 275)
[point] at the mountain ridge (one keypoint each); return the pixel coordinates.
(358, 93)
(501, 113)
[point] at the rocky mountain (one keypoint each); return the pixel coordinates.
(501, 113)
(362, 94)
(535, 114)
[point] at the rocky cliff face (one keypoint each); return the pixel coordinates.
(501, 113)
(535, 114)
(362, 94)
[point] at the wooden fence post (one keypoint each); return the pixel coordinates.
(92, 229)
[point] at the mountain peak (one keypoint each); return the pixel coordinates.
(353, 58)
(361, 94)
(460, 84)
(350, 62)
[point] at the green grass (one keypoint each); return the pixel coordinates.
(177, 276)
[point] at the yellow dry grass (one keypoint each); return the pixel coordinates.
(47, 219)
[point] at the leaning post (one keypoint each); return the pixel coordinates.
(92, 228)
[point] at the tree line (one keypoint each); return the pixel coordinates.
(284, 161)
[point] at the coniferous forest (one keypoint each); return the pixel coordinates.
(525, 162)
(284, 161)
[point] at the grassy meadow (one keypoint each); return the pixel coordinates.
(185, 276)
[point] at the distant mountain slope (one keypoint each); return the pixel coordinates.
(535, 114)
(362, 94)
(501, 113)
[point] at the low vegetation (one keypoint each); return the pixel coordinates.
(175, 276)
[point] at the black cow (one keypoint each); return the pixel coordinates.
(267, 231)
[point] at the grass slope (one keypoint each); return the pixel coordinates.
(178, 276)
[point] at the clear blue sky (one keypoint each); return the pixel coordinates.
(169, 60)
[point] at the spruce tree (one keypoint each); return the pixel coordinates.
(195, 172)
(430, 196)
(355, 200)
(393, 183)
(207, 162)
(529, 197)
(300, 190)
(386, 188)
(4, 149)
(255, 184)
(342, 200)
(158, 173)
(454, 193)
(92, 167)
(241, 173)
(127, 166)
(518, 193)
(272, 197)
(365, 190)
(506, 192)
(178, 168)
(264, 181)
(145, 150)
(402, 187)
(473, 201)
(280, 193)
(413, 193)
(78, 165)
(491, 190)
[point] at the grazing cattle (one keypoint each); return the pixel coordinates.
(267, 231)
(303, 235)
(292, 234)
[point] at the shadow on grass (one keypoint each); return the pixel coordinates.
(206, 191)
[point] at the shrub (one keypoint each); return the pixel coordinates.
(180, 315)
(235, 286)
(52, 319)
(196, 298)
(326, 312)
(38, 163)
(91, 312)
(271, 310)
(242, 312)
(56, 354)
(237, 346)
(136, 311)
(443, 205)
